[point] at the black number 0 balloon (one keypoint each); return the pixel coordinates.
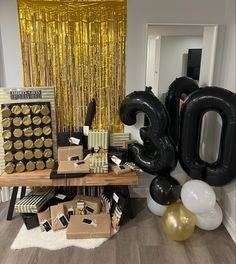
(198, 103)
(158, 152)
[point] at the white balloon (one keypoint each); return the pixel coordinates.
(155, 207)
(198, 196)
(211, 219)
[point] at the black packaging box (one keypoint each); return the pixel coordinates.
(31, 220)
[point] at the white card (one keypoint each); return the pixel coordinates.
(61, 196)
(86, 130)
(74, 140)
(115, 197)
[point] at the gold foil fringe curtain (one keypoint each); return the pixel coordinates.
(79, 48)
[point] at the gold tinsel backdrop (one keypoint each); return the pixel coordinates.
(79, 48)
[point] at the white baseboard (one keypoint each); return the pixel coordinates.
(230, 225)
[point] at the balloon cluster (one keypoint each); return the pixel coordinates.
(178, 127)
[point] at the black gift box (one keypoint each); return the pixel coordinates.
(63, 138)
(31, 220)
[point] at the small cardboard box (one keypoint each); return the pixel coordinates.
(70, 166)
(56, 212)
(77, 229)
(120, 169)
(69, 208)
(44, 216)
(93, 205)
(65, 153)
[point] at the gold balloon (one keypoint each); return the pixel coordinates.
(6, 112)
(16, 109)
(178, 222)
(27, 120)
(25, 109)
(37, 120)
(46, 120)
(45, 110)
(17, 132)
(17, 121)
(6, 122)
(6, 134)
(35, 109)
(30, 166)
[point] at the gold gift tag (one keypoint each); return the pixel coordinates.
(47, 153)
(28, 132)
(29, 154)
(17, 132)
(38, 143)
(46, 120)
(45, 110)
(18, 144)
(35, 109)
(37, 120)
(9, 168)
(50, 163)
(8, 156)
(27, 120)
(6, 112)
(17, 121)
(7, 145)
(6, 122)
(38, 153)
(47, 130)
(6, 134)
(38, 131)
(25, 109)
(28, 144)
(48, 142)
(16, 109)
(19, 155)
(20, 167)
(40, 165)
(30, 166)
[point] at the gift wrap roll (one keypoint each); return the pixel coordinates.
(28, 144)
(48, 142)
(16, 109)
(47, 130)
(37, 120)
(19, 155)
(40, 165)
(6, 122)
(38, 131)
(6, 112)
(18, 144)
(30, 166)
(35, 109)
(17, 121)
(27, 121)
(6, 134)
(38, 143)
(45, 110)
(38, 153)
(47, 153)
(7, 145)
(50, 163)
(20, 166)
(9, 168)
(25, 109)
(8, 156)
(46, 120)
(17, 132)
(28, 132)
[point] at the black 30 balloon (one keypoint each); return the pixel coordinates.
(180, 86)
(158, 152)
(165, 190)
(198, 103)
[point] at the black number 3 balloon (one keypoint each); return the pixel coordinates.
(198, 103)
(158, 152)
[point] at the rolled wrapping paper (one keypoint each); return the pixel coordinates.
(25, 109)
(38, 143)
(38, 153)
(6, 112)
(18, 144)
(28, 154)
(17, 121)
(48, 142)
(28, 144)
(20, 166)
(27, 121)
(8, 156)
(16, 109)
(19, 155)
(38, 131)
(35, 109)
(46, 120)
(50, 163)
(47, 130)
(17, 132)
(6, 122)
(7, 145)
(40, 165)
(30, 166)
(28, 132)
(9, 168)
(45, 110)
(37, 120)
(47, 153)
(6, 134)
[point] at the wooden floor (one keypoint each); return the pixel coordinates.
(140, 241)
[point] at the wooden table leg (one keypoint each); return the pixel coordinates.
(12, 203)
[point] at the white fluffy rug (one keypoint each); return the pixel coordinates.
(51, 240)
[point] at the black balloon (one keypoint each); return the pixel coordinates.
(198, 103)
(164, 189)
(158, 152)
(180, 86)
